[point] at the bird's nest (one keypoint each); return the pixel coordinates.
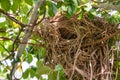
(81, 46)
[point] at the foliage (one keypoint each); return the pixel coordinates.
(12, 33)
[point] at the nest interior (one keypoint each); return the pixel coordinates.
(81, 46)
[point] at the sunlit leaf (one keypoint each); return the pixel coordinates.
(80, 15)
(5, 4)
(85, 1)
(16, 4)
(24, 9)
(30, 2)
(1, 48)
(25, 19)
(119, 64)
(5, 70)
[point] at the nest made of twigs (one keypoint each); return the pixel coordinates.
(81, 46)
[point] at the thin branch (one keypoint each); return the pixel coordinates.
(83, 73)
(5, 48)
(4, 38)
(16, 39)
(29, 12)
(101, 40)
(30, 28)
(8, 56)
(12, 18)
(43, 15)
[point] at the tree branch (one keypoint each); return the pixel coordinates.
(12, 18)
(28, 33)
(5, 48)
(30, 28)
(43, 15)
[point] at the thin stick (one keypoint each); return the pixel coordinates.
(12, 18)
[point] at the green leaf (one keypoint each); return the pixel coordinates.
(69, 9)
(5, 70)
(9, 45)
(66, 2)
(1, 48)
(25, 19)
(85, 1)
(80, 15)
(42, 53)
(93, 11)
(118, 76)
(2, 24)
(62, 74)
(33, 68)
(26, 74)
(119, 64)
(42, 70)
(58, 67)
(32, 73)
(30, 58)
(5, 4)
(39, 64)
(52, 8)
(8, 77)
(30, 2)
(59, 4)
(52, 76)
(75, 2)
(15, 5)
(24, 9)
(29, 49)
(42, 9)
(91, 16)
